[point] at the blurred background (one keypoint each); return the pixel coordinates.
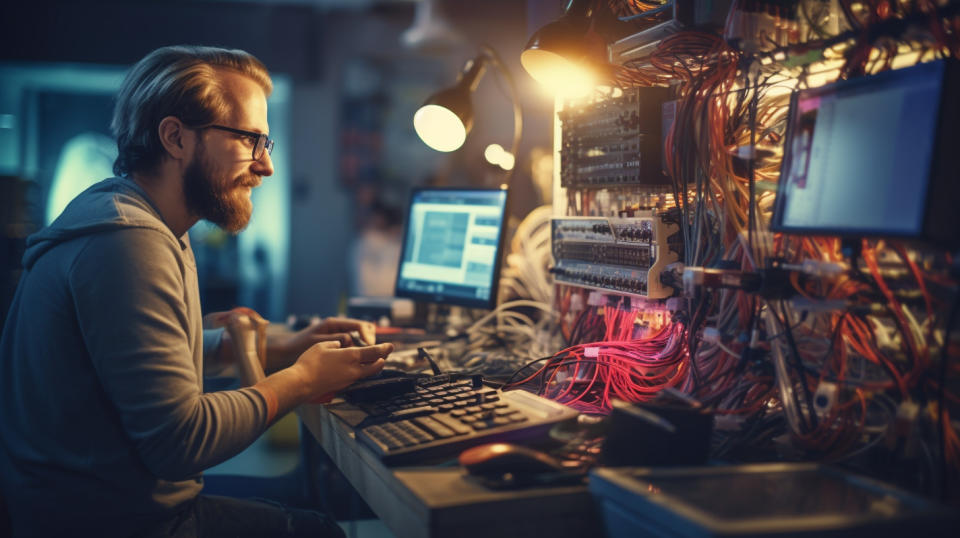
(348, 77)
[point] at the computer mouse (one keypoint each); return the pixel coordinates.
(389, 372)
(498, 459)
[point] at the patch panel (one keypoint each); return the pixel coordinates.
(608, 141)
(622, 255)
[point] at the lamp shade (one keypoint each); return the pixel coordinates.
(556, 54)
(444, 120)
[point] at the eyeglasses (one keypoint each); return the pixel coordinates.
(262, 142)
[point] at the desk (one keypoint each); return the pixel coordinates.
(440, 502)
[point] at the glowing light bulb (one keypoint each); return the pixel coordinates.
(556, 73)
(494, 153)
(439, 128)
(507, 161)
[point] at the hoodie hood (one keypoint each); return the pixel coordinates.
(111, 204)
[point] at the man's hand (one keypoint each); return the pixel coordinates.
(283, 349)
(326, 367)
(233, 350)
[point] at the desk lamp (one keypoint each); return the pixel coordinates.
(445, 118)
(560, 54)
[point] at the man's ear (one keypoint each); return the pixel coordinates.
(173, 134)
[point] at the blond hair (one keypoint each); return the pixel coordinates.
(180, 81)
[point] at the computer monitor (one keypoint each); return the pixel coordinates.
(874, 156)
(452, 246)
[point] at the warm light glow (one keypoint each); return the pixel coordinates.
(507, 161)
(439, 128)
(556, 73)
(495, 154)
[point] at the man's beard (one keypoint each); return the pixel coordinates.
(215, 198)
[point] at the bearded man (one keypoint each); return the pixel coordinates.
(104, 425)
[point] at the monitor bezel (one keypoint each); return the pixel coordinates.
(947, 72)
(488, 303)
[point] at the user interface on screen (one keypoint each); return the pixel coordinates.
(452, 246)
(858, 154)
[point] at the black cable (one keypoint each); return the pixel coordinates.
(699, 314)
(529, 364)
(747, 352)
(798, 366)
(751, 162)
(848, 14)
(942, 374)
(833, 338)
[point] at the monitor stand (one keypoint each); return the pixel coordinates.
(445, 319)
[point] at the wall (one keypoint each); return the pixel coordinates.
(312, 47)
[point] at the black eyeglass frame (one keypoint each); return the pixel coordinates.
(263, 142)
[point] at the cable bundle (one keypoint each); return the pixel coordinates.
(587, 376)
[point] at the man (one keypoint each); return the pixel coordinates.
(104, 426)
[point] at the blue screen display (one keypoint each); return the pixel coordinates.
(452, 245)
(859, 153)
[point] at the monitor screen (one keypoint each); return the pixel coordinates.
(452, 246)
(858, 155)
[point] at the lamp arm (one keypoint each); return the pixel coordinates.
(491, 55)
(579, 9)
(472, 72)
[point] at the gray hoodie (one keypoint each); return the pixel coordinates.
(104, 426)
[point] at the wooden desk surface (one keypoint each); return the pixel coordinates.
(438, 501)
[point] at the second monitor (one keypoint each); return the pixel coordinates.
(452, 246)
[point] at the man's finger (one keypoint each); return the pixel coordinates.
(254, 315)
(372, 353)
(369, 369)
(329, 344)
(343, 338)
(369, 332)
(347, 324)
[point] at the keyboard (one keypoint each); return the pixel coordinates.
(443, 415)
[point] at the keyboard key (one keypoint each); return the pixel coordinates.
(414, 411)
(434, 427)
(445, 407)
(457, 413)
(500, 421)
(454, 424)
(405, 439)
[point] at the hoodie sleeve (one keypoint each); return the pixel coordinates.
(131, 305)
(211, 347)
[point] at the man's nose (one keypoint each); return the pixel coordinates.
(263, 166)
